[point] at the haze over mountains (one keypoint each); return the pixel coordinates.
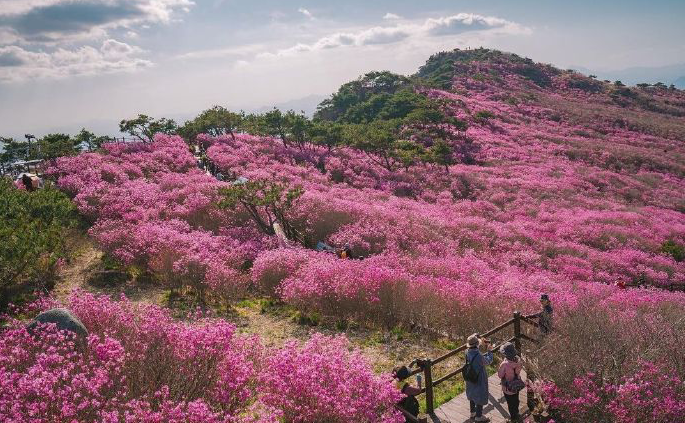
(672, 74)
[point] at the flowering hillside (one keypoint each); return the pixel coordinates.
(539, 180)
(140, 365)
(571, 193)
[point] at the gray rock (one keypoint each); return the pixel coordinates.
(63, 318)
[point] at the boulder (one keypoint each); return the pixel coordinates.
(63, 318)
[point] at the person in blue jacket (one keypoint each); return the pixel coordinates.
(477, 393)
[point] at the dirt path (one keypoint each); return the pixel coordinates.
(86, 260)
(274, 324)
(75, 273)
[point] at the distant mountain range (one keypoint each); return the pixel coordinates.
(672, 74)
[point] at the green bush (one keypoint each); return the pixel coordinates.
(673, 249)
(483, 115)
(32, 229)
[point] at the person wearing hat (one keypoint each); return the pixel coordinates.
(508, 371)
(477, 392)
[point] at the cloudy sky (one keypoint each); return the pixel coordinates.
(65, 64)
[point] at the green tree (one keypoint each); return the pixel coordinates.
(92, 141)
(327, 134)
(13, 151)
(358, 91)
(215, 121)
(366, 111)
(58, 145)
(425, 115)
(267, 202)
(297, 127)
(441, 153)
(272, 123)
(291, 127)
(377, 139)
(402, 103)
(408, 153)
(32, 229)
(145, 127)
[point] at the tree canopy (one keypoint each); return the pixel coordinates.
(58, 145)
(145, 127)
(215, 121)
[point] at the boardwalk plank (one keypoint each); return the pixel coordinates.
(457, 409)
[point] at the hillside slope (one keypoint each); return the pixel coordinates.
(468, 189)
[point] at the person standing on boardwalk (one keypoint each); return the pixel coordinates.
(545, 316)
(477, 391)
(510, 374)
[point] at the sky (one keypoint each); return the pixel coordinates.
(67, 64)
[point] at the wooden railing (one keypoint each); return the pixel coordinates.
(126, 140)
(428, 364)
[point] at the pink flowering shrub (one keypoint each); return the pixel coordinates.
(570, 186)
(649, 395)
(138, 364)
(272, 267)
(613, 363)
(348, 289)
(47, 378)
(652, 394)
(153, 209)
(322, 381)
(136, 359)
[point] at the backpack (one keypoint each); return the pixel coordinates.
(470, 374)
(514, 385)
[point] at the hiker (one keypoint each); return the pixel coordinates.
(345, 253)
(477, 390)
(545, 316)
(409, 401)
(510, 375)
(325, 248)
(28, 182)
(240, 181)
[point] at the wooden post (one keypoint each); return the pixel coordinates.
(517, 330)
(429, 386)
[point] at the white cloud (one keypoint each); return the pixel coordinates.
(63, 21)
(306, 12)
(391, 16)
(18, 64)
(433, 27)
(13, 7)
(464, 22)
(116, 49)
(239, 51)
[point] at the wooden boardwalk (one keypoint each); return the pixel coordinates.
(457, 409)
